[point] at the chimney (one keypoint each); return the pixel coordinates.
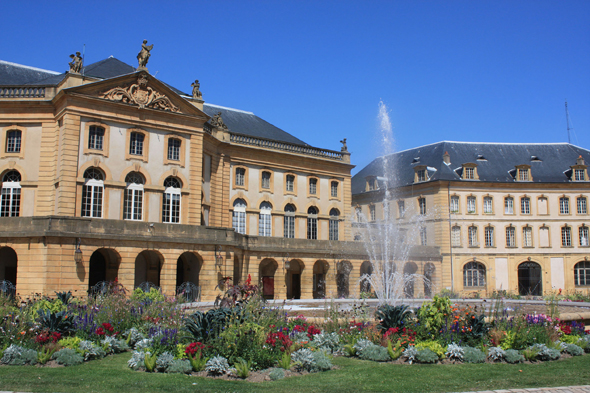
(447, 158)
(580, 160)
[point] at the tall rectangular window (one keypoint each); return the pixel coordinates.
(401, 209)
(95, 138)
(174, 149)
(564, 205)
(290, 183)
(13, 141)
(422, 205)
(422, 175)
(510, 237)
(487, 205)
(423, 238)
(508, 205)
(472, 236)
(456, 236)
(312, 228)
(582, 206)
(579, 174)
(527, 237)
(289, 227)
(171, 208)
(372, 212)
(264, 226)
(266, 180)
(566, 236)
(10, 199)
(525, 205)
(133, 203)
(313, 186)
(334, 189)
(92, 200)
(454, 204)
(583, 232)
(136, 144)
(471, 204)
(333, 229)
(489, 236)
(523, 175)
(240, 177)
(469, 173)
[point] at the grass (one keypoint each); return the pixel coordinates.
(112, 375)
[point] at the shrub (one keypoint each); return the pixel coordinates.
(545, 353)
(70, 342)
(217, 365)
(242, 368)
(179, 366)
(111, 345)
(150, 361)
(144, 344)
(434, 346)
(349, 350)
(276, 374)
(496, 354)
(574, 350)
(133, 337)
(375, 353)
(454, 352)
(392, 316)
(153, 295)
(68, 357)
(362, 344)
(55, 321)
(394, 353)
(137, 360)
(426, 356)
(322, 361)
(410, 354)
(303, 359)
(513, 356)
(329, 342)
(90, 351)
(164, 360)
(45, 354)
(473, 355)
(19, 356)
(530, 354)
(433, 315)
(200, 326)
(285, 361)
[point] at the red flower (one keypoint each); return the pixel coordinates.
(193, 348)
(100, 331)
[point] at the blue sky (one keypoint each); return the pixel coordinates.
(484, 71)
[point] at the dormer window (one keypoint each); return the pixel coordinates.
(469, 171)
(372, 183)
(523, 173)
(421, 174)
(579, 171)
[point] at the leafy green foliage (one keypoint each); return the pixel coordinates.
(90, 351)
(217, 365)
(201, 326)
(149, 361)
(395, 353)
(434, 314)
(179, 366)
(197, 361)
(512, 356)
(329, 342)
(64, 297)
(112, 345)
(70, 342)
(243, 368)
(546, 353)
(426, 356)
(68, 357)
(276, 374)
(434, 346)
(285, 361)
(392, 316)
(530, 354)
(496, 354)
(18, 356)
(154, 295)
(455, 352)
(45, 354)
(574, 350)
(163, 361)
(473, 355)
(55, 321)
(374, 352)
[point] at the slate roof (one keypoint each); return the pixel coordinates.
(18, 74)
(550, 162)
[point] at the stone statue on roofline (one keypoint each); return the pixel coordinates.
(144, 55)
(217, 121)
(344, 148)
(197, 95)
(75, 64)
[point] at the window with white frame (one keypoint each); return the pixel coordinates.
(488, 207)
(566, 236)
(579, 175)
(174, 149)
(13, 141)
(508, 205)
(239, 216)
(290, 183)
(564, 205)
(312, 223)
(372, 212)
(423, 237)
(422, 205)
(171, 200)
(582, 273)
(265, 180)
(401, 209)
(471, 204)
(334, 224)
(527, 236)
(95, 137)
(489, 236)
(265, 219)
(133, 196)
(334, 189)
(456, 236)
(454, 204)
(240, 177)
(583, 234)
(422, 175)
(523, 174)
(92, 193)
(472, 236)
(510, 237)
(358, 211)
(469, 173)
(136, 144)
(582, 205)
(313, 186)
(289, 222)
(525, 205)
(10, 194)
(474, 275)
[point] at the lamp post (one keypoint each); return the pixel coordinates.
(286, 262)
(78, 252)
(218, 257)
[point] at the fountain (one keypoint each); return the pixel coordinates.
(388, 242)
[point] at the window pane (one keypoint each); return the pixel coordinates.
(582, 209)
(174, 149)
(136, 144)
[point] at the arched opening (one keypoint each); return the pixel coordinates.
(343, 278)
(188, 267)
(429, 270)
(147, 268)
(320, 270)
(104, 266)
(582, 274)
(366, 270)
(529, 279)
(410, 269)
(8, 265)
(237, 270)
(294, 279)
(266, 272)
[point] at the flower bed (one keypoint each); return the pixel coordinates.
(243, 337)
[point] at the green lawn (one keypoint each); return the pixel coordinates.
(112, 375)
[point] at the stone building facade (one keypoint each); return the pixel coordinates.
(510, 217)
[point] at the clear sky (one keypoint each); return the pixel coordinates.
(483, 71)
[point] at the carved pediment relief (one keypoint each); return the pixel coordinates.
(140, 94)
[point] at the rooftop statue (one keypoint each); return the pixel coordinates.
(344, 147)
(76, 63)
(217, 121)
(196, 92)
(144, 55)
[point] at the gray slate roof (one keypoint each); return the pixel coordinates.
(550, 162)
(18, 74)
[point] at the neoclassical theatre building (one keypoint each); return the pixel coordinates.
(510, 217)
(109, 173)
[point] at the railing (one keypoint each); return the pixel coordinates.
(270, 144)
(207, 128)
(22, 92)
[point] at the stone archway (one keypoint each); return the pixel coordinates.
(266, 272)
(429, 271)
(103, 266)
(366, 269)
(343, 279)
(8, 265)
(188, 268)
(294, 279)
(320, 270)
(410, 268)
(148, 265)
(530, 279)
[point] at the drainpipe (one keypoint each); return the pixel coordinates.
(450, 236)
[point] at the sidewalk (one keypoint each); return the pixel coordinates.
(564, 389)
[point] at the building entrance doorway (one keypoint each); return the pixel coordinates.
(529, 279)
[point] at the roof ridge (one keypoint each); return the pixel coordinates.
(29, 67)
(228, 108)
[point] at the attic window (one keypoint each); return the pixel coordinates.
(536, 159)
(481, 158)
(522, 173)
(416, 160)
(421, 174)
(469, 171)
